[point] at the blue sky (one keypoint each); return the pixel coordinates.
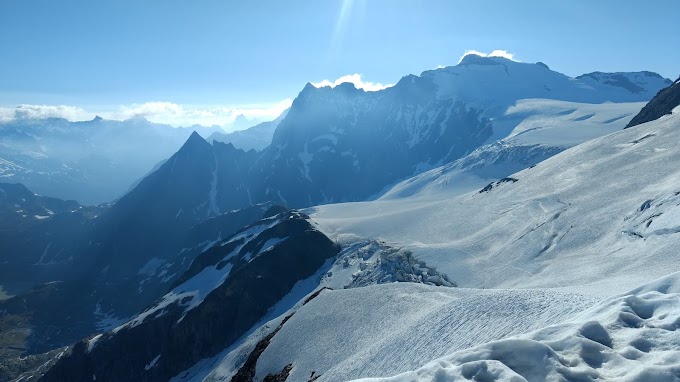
(229, 57)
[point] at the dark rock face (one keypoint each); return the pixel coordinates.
(169, 337)
(226, 224)
(149, 275)
(663, 103)
(491, 185)
(246, 373)
(38, 235)
(153, 216)
(281, 376)
(36, 320)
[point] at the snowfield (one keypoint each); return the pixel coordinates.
(560, 123)
(631, 337)
(371, 330)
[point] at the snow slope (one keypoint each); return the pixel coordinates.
(532, 130)
(396, 326)
(631, 337)
(561, 123)
(604, 207)
(390, 328)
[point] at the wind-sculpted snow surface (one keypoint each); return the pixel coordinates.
(605, 207)
(631, 337)
(394, 326)
(338, 335)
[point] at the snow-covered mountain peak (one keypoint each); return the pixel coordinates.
(475, 59)
(311, 97)
(412, 85)
(308, 86)
(195, 142)
(498, 81)
(345, 88)
(542, 65)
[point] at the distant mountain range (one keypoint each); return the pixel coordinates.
(97, 161)
(92, 161)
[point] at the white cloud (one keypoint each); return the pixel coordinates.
(44, 111)
(186, 115)
(357, 80)
(495, 53)
(6, 114)
(150, 110)
(159, 112)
